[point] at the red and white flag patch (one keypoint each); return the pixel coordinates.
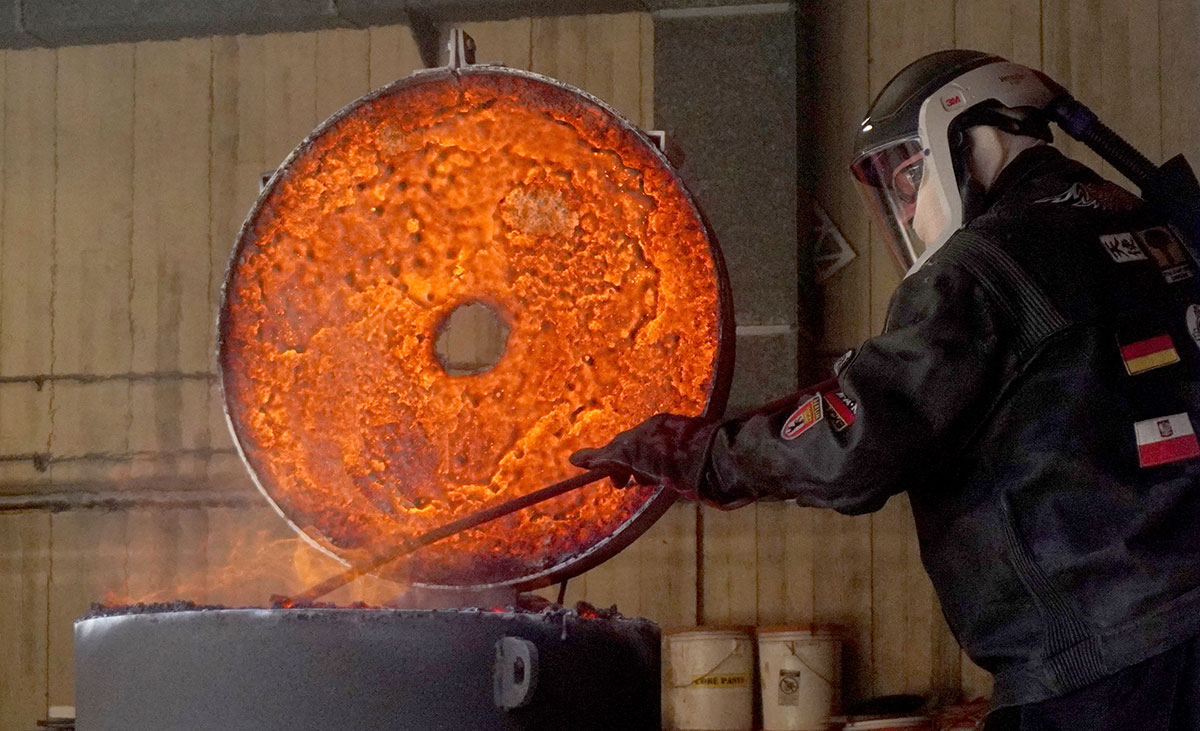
(1165, 440)
(805, 417)
(841, 409)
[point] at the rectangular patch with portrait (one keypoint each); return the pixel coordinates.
(1167, 253)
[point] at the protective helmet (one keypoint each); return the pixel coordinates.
(914, 137)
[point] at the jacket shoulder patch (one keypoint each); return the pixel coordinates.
(1122, 248)
(805, 417)
(1167, 252)
(1103, 196)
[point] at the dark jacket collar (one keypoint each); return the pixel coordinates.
(1027, 164)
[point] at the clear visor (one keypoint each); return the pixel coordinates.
(889, 178)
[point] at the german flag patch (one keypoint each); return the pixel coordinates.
(1149, 353)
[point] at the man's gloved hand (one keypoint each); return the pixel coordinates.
(667, 450)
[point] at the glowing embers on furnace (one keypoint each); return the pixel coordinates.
(481, 188)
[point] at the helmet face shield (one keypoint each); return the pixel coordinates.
(914, 114)
(889, 178)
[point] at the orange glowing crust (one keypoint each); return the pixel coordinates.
(482, 187)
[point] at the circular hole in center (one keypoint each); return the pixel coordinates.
(471, 339)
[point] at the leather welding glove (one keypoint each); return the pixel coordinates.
(666, 449)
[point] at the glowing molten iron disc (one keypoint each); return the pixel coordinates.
(483, 185)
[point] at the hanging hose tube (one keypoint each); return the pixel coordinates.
(1172, 189)
(1082, 123)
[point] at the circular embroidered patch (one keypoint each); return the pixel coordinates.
(1193, 323)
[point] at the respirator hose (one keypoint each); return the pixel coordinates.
(1081, 123)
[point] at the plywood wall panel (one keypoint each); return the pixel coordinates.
(787, 562)
(730, 544)
(343, 68)
(94, 208)
(24, 578)
(24, 430)
(27, 246)
(248, 60)
(629, 41)
(88, 564)
(646, 72)
(842, 591)
(1179, 54)
(27, 249)
(901, 632)
(93, 326)
(1131, 56)
(558, 48)
(289, 92)
(946, 658)
(171, 141)
(668, 568)
(393, 54)
(1012, 29)
(609, 56)
(172, 327)
(611, 52)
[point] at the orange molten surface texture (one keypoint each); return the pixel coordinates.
(441, 191)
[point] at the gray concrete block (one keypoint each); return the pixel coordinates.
(12, 29)
(456, 10)
(373, 12)
(725, 91)
(765, 369)
(66, 22)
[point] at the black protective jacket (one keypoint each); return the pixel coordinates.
(1062, 545)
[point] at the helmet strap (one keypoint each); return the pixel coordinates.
(971, 191)
(1023, 121)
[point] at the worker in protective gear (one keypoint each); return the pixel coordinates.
(1034, 391)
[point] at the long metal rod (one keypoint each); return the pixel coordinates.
(473, 520)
